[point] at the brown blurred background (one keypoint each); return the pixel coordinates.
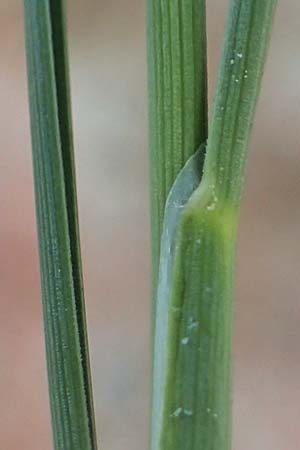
(108, 63)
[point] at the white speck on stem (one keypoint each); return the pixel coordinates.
(176, 204)
(239, 55)
(180, 412)
(232, 61)
(193, 324)
(185, 340)
(211, 207)
(177, 412)
(215, 415)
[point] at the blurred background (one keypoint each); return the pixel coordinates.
(108, 66)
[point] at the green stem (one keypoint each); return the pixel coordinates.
(197, 408)
(178, 98)
(238, 87)
(61, 274)
(193, 339)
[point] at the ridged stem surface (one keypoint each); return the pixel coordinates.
(178, 98)
(55, 190)
(193, 333)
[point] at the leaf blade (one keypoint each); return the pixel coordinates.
(64, 317)
(60, 52)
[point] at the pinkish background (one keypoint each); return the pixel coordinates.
(107, 43)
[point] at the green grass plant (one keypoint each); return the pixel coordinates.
(197, 177)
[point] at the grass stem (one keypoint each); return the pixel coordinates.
(193, 332)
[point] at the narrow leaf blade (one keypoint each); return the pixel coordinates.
(64, 317)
